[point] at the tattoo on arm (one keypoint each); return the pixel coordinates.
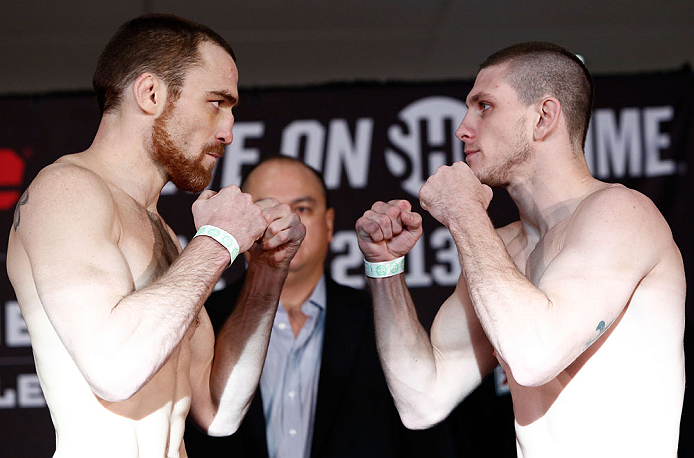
(22, 201)
(601, 328)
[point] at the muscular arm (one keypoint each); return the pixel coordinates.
(427, 377)
(118, 337)
(541, 325)
(225, 373)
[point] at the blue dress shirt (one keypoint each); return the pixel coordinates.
(289, 382)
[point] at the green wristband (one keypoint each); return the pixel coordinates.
(384, 269)
(223, 237)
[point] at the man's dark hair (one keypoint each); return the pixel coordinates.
(538, 69)
(163, 44)
(289, 160)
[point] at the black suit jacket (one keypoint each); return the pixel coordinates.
(355, 415)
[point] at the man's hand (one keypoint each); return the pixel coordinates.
(452, 190)
(282, 237)
(388, 230)
(231, 210)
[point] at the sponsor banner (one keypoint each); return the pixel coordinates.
(371, 142)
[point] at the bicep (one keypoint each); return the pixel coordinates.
(78, 270)
(605, 255)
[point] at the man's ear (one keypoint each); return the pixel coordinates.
(149, 93)
(549, 111)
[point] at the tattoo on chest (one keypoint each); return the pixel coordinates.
(22, 201)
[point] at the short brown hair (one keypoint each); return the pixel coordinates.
(163, 44)
(538, 69)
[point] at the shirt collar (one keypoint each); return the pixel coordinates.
(318, 295)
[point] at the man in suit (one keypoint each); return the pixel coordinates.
(322, 391)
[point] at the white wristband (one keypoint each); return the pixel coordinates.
(384, 269)
(223, 237)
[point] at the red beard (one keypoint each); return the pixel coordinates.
(188, 174)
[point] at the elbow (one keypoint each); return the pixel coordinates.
(532, 370)
(113, 382)
(417, 422)
(112, 392)
(114, 389)
(223, 429)
(422, 417)
(227, 430)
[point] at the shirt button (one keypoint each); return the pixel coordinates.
(282, 326)
(292, 432)
(292, 394)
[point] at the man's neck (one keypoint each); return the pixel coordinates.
(298, 288)
(119, 152)
(551, 193)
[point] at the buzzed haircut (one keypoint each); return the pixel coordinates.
(289, 160)
(538, 69)
(163, 44)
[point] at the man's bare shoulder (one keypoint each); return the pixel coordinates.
(622, 226)
(616, 205)
(65, 190)
(70, 175)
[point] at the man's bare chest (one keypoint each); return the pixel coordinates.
(533, 257)
(146, 243)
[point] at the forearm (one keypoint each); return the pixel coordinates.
(406, 353)
(515, 315)
(146, 326)
(241, 347)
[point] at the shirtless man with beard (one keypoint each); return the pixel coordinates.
(581, 301)
(122, 345)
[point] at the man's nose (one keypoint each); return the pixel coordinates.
(464, 130)
(224, 134)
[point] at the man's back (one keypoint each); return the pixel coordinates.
(625, 390)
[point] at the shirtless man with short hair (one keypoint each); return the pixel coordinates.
(123, 347)
(581, 301)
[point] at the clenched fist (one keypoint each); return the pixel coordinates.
(451, 191)
(282, 237)
(388, 231)
(231, 210)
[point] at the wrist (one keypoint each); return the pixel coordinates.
(222, 237)
(384, 269)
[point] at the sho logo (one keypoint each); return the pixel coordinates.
(11, 176)
(424, 139)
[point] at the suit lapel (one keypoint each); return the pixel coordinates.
(345, 324)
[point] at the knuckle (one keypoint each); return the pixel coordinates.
(274, 228)
(383, 220)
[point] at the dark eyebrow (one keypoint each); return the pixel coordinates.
(298, 200)
(306, 199)
(477, 97)
(227, 96)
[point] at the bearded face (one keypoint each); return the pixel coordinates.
(519, 153)
(187, 171)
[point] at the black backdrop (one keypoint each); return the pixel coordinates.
(371, 142)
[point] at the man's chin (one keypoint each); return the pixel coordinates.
(194, 185)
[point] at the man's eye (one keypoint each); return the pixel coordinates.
(484, 106)
(301, 209)
(216, 103)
